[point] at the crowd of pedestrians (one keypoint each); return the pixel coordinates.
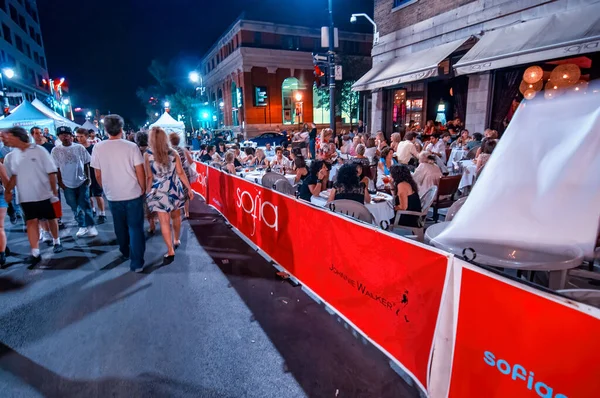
(150, 180)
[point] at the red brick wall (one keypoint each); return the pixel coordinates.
(389, 21)
(272, 114)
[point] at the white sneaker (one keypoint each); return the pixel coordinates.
(82, 232)
(92, 232)
(47, 238)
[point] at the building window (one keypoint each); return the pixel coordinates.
(38, 39)
(6, 33)
(36, 57)
(28, 50)
(19, 43)
(22, 23)
(13, 14)
(43, 62)
(32, 32)
(290, 42)
(3, 5)
(398, 4)
(257, 38)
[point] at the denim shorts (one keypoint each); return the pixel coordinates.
(3, 204)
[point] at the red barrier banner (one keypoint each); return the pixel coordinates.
(514, 341)
(387, 287)
(199, 186)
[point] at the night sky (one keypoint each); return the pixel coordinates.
(103, 48)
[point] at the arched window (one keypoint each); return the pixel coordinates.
(235, 105)
(291, 101)
(220, 108)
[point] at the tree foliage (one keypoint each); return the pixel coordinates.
(177, 91)
(346, 100)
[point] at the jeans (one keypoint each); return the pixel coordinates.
(312, 148)
(78, 200)
(128, 218)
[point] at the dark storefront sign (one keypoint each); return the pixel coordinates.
(260, 96)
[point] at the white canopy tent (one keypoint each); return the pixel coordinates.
(90, 126)
(59, 120)
(170, 125)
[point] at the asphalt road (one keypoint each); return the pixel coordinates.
(218, 322)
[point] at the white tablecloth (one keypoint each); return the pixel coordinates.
(456, 155)
(468, 176)
(253, 176)
(381, 211)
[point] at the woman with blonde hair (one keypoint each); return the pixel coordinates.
(326, 148)
(186, 163)
(165, 193)
(260, 159)
(229, 159)
(396, 139)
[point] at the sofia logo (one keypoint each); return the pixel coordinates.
(265, 212)
(202, 179)
(518, 372)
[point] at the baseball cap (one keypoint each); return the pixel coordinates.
(64, 130)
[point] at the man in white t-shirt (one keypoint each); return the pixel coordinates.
(33, 172)
(406, 149)
(73, 162)
(119, 168)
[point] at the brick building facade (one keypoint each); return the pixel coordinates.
(274, 62)
(482, 48)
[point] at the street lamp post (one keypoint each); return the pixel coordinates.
(331, 54)
(375, 31)
(9, 73)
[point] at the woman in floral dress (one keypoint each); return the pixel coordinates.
(186, 162)
(165, 195)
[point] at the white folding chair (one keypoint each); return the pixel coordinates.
(353, 209)
(270, 178)
(285, 187)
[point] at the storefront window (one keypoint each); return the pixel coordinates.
(234, 104)
(414, 110)
(290, 107)
(399, 110)
(320, 114)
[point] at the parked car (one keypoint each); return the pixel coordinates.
(269, 137)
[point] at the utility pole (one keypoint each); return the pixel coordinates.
(331, 55)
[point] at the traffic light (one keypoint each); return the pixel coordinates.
(320, 75)
(320, 69)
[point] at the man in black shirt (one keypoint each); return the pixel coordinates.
(38, 137)
(361, 127)
(312, 139)
(207, 157)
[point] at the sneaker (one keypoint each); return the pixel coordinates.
(92, 232)
(82, 232)
(138, 270)
(101, 219)
(33, 261)
(2, 259)
(57, 248)
(13, 219)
